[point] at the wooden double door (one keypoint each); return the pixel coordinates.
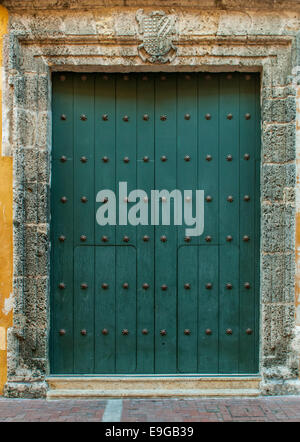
(149, 298)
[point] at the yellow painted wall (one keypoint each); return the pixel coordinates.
(5, 229)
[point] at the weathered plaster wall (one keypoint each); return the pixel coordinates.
(5, 230)
(225, 38)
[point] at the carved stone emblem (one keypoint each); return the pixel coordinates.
(158, 31)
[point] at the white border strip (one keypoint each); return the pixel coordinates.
(113, 411)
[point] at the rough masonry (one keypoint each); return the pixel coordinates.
(89, 35)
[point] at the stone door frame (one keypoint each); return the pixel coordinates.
(29, 60)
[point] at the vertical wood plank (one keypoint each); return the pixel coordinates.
(145, 234)
(126, 165)
(208, 180)
(208, 156)
(247, 222)
(62, 226)
(105, 148)
(187, 174)
(257, 235)
(105, 255)
(126, 161)
(84, 291)
(105, 309)
(126, 309)
(84, 222)
(165, 252)
(228, 225)
(208, 258)
(84, 144)
(187, 309)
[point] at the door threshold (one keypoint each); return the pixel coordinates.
(151, 387)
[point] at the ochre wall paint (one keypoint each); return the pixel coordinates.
(6, 252)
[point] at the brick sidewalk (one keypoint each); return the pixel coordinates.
(271, 409)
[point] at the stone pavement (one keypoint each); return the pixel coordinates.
(267, 409)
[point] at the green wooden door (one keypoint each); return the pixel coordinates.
(149, 298)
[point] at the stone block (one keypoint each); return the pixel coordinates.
(44, 93)
(19, 251)
(278, 322)
(25, 87)
(278, 143)
(36, 203)
(278, 224)
(43, 138)
(30, 301)
(279, 110)
(80, 24)
(43, 253)
(43, 167)
(28, 164)
(277, 274)
(28, 390)
(275, 179)
(26, 128)
(31, 203)
(30, 251)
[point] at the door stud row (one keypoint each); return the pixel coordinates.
(145, 286)
(146, 117)
(146, 238)
(163, 332)
(146, 159)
